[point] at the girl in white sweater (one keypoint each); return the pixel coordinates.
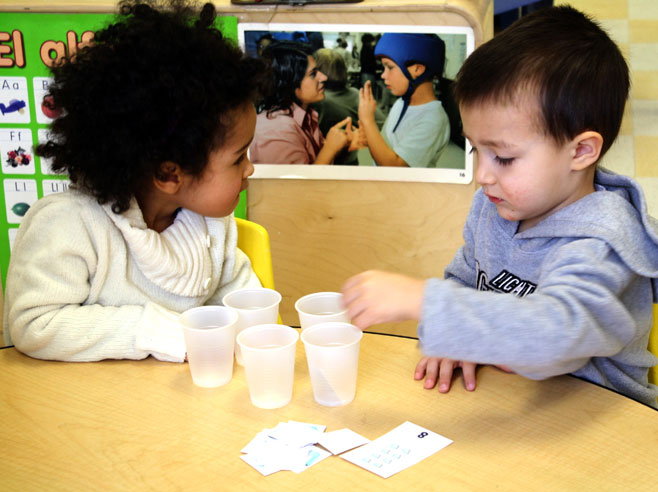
(156, 118)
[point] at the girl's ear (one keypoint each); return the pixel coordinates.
(587, 149)
(168, 178)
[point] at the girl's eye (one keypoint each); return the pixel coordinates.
(473, 150)
(240, 159)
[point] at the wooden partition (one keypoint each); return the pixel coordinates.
(324, 231)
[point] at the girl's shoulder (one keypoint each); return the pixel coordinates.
(66, 206)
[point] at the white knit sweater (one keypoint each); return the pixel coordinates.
(86, 284)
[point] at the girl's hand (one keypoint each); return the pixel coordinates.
(436, 369)
(377, 297)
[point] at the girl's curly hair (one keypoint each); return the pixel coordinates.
(153, 86)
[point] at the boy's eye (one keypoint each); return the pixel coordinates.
(240, 159)
(504, 161)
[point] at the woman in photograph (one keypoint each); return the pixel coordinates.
(287, 129)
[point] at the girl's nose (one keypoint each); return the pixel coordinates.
(249, 168)
(321, 77)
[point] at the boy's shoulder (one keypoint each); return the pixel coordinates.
(617, 210)
(616, 214)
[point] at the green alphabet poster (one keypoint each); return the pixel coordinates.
(29, 44)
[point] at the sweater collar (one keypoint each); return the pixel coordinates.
(177, 259)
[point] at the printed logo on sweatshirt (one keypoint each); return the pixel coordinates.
(504, 282)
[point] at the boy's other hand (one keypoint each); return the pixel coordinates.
(378, 297)
(358, 139)
(436, 369)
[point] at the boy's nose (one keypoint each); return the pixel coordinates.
(483, 172)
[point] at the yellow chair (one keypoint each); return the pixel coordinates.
(254, 241)
(653, 345)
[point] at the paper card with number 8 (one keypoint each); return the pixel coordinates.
(398, 449)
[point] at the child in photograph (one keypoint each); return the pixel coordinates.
(558, 271)
(157, 116)
(417, 129)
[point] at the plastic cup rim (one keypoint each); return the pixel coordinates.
(233, 315)
(310, 329)
(262, 327)
(269, 306)
(313, 294)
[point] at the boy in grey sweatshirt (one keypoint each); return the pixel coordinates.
(558, 271)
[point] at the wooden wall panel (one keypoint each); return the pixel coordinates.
(322, 232)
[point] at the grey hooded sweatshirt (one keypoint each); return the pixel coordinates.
(580, 287)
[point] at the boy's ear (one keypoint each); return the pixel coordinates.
(416, 70)
(168, 178)
(587, 149)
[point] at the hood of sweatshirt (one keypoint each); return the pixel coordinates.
(617, 214)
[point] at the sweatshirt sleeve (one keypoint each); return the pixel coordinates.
(462, 268)
(575, 314)
(48, 287)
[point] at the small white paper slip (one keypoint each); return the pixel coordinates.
(396, 450)
(296, 434)
(261, 463)
(288, 446)
(307, 457)
(341, 440)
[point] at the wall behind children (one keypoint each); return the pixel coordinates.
(323, 231)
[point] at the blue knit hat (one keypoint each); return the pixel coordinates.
(406, 48)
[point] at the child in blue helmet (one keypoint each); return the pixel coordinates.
(417, 128)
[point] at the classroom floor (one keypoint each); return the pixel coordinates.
(633, 24)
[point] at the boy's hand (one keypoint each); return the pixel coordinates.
(431, 367)
(377, 297)
(367, 104)
(358, 139)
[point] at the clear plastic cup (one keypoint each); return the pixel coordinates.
(321, 307)
(268, 353)
(332, 353)
(255, 306)
(209, 333)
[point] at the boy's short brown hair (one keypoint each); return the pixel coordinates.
(577, 72)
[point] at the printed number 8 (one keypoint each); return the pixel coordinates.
(422, 434)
